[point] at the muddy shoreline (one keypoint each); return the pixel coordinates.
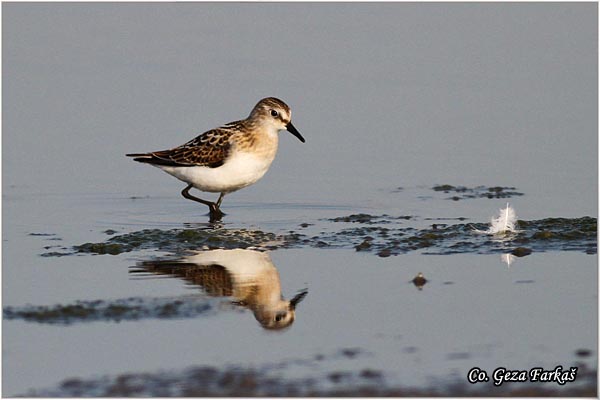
(235, 381)
(382, 235)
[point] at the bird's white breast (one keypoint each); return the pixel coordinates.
(238, 171)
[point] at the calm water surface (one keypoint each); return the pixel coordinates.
(392, 99)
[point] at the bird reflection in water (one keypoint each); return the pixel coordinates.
(246, 275)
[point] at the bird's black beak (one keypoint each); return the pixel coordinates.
(291, 129)
(297, 299)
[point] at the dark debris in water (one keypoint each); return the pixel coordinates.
(134, 308)
(419, 281)
(521, 252)
(478, 192)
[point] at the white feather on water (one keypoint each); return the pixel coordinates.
(505, 222)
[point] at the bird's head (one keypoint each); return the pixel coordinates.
(274, 113)
(279, 317)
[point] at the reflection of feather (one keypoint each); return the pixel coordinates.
(507, 259)
(505, 222)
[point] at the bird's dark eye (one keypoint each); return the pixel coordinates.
(279, 317)
(274, 113)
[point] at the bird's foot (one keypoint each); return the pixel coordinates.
(215, 213)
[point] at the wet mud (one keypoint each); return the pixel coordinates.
(262, 381)
(382, 235)
(551, 234)
(177, 240)
(134, 308)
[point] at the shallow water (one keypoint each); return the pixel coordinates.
(362, 311)
(387, 122)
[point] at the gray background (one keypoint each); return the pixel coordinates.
(387, 95)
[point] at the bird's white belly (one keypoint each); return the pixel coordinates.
(240, 170)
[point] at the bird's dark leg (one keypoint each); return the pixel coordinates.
(186, 193)
(220, 200)
(214, 210)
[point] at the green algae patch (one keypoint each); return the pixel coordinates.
(177, 240)
(134, 308)
(543, 235)
(101, 248)
(360, 218)
(445, 188)
(550, 234)
(382, 235)
(562, 229)
(364, 245)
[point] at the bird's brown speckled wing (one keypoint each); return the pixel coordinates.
(213, 278)
(209, 149)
